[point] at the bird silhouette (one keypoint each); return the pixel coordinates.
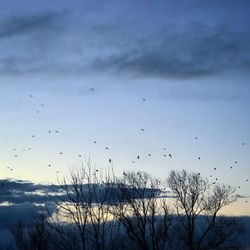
(110, 160)
(170, 155)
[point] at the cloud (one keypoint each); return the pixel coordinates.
(20, 25)
(19, 192)
(198, 50)
(69, 42)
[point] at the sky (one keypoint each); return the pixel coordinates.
(137, 77)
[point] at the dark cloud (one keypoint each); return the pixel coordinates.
(21, 25)
(199, 50)
(18, 192)
(59, 42)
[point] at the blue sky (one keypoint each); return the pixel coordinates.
(189, 60)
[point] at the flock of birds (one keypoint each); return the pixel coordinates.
(165, 152)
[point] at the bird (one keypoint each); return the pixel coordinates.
(92, 89)
(49, 131)
(49, 165)
(14, 149)
(214, 168)
(246, 179)
(196, 138)
(243, 143)
(149, 154)
(144, 99)
(164, 155)
(80, 155)
(56, 131)
(33, 136)
(231, 167)
(107, 148)
(142, 129)
(170, 155)
(110, 160)
(94, 142)
(199, 158)
(138, 157)
(164, 149)
(61, 153)
(235, 162)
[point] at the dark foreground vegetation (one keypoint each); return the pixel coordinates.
(137, 211)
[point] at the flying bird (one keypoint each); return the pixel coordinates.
(170, 155)
(110, 160)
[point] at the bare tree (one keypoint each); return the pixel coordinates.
(85, 205)
(197, 204)
(33, 236)
(143, 214)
